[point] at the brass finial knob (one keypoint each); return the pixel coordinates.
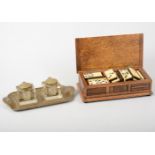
(50, 81)
(25, 86)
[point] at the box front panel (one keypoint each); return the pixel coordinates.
(122, 89)
(118, 89)
(96, 91)
(140, 87)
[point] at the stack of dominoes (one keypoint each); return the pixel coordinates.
(111, 76)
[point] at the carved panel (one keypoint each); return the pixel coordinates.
(140, 86)
(96, 91)
(117, 89)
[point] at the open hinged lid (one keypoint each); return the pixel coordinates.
(109, 52)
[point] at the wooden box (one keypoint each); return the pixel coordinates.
(117, 52)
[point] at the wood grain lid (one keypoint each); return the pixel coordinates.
(105, 52)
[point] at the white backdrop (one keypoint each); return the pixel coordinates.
(33, 51)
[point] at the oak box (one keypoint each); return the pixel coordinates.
(97, 54)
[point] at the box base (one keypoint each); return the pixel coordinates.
(104, 98)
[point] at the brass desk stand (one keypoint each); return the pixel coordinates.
(26, 97)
